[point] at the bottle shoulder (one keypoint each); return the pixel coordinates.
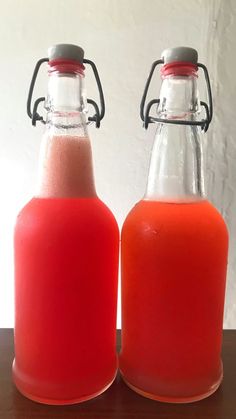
(174, 216)
(63, 212)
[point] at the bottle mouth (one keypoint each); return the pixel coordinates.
(63, 65)
(179, 68)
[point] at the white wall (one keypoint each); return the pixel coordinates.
(123, 37)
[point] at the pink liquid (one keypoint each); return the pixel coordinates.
(66, 262)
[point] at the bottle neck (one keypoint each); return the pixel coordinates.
(176, 167)
(66, 104)
(65, 166)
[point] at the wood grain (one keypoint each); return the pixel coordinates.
(119, 402)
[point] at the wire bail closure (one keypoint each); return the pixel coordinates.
(145, 110)
(35, 117)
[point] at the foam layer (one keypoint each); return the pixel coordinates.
(66, 167)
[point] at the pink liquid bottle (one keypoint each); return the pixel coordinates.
(66, 252)
(174, 251)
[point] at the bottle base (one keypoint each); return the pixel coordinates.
(169, 399)
(56, 402)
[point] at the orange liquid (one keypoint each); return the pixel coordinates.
(66, 261)
(174, 259)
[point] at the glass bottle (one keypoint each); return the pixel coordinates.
(66, 257)
(174, 257)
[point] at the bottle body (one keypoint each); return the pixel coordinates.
(174, 258)
(66, 258)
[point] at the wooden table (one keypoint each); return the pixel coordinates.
(119, 401)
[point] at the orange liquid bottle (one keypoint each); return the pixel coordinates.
(66, 258)
(174, 257)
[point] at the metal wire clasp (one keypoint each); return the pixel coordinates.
(145, 111)
(33, 114)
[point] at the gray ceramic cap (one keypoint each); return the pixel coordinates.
(180, 54)
(67, 51)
